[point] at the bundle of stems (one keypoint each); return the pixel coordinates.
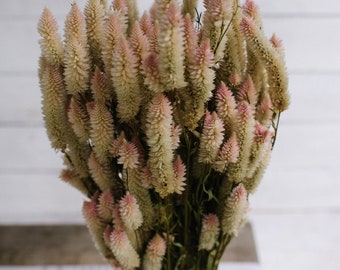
(166, 123)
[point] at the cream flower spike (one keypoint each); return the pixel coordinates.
(171, 48)
(50, 43)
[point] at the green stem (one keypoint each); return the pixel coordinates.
(227, 28)
(167, 213)
(276, 129)
(186, 195)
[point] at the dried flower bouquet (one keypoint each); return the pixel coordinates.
(166, 123)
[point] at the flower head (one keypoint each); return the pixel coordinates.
(128, 155)
(130, 212)
(211, 138)
(235, 210)
(155, 252)
(209, 232)
(123, 250)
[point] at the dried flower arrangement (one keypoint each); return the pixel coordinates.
(166, 122)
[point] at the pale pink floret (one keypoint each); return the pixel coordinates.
(262, 133)
(154, 253)
(251, 9)
(248, 26)
(105, 205)
(209, 232)
(211, 138)
(180, 170)
(123, 250)
(157, 245)
(230, 150)
(235, 210)
(247, 92)
(116, 144)
(130, 213)
(128, 155)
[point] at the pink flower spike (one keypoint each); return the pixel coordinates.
(251, 9)
(262, 134)
(247, 92)
(106, 205)
(90, 215)
(209, 232)
(248, 26)
(116, 144)
(210, 222)
(211, 138)
(230, 150)
(157, 245)
(107, 234)
(180, 170)
(128, 156)
(235, 210)
(130, 213)
(123, 250)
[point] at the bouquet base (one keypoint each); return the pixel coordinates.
(70, 247)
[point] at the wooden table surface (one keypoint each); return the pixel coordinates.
(296, 211)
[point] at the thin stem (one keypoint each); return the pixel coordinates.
(167, 202)
(276, 129)
(227, 28)
(186, 194)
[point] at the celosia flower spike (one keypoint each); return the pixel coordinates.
(101, 173)
(112, 32)
(235, 210)
(202, 84)
(130, 213)
(154, 254)
(152, 73)
(96, 228)
(123, 250)
(171, 48)
(77, 66)
(53, 107)
(79, 120)
(277, 74)
(228, 153)
(226, 107)
(201, 73)
(51, 44)
(209, 232)
(125, 81)
(191, 39)
(179, 170)
(75, 26)
(95, 21)
(102, 130)
(139, 44)
(215, 21)
(176, 133)
(105, 206)
(116, 144)
(277, 44)
(245, 133)
(132, 14)
(158, 132)
(128, 155)
(72, 178)
(264, 111)
(262, 144)
(250, 9)
(99, 87)
(247, 92)
(151, 31)
(211, 138)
